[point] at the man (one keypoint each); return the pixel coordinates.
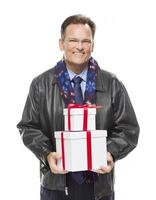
(54, 90)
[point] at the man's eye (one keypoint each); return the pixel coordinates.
(72, 40)
(86, 41)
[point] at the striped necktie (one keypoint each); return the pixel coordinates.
(77, 90)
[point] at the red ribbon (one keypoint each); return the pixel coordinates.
(85, 114)
(89, 150)
(63, 154)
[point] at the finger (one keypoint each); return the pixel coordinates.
(54, 169)
(109, 157)
(110, 162)
(106, 169)
(61, 172)
(56, 155)
(103, 169)
(99, 171)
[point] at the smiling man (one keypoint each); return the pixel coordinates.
(77, 44)
(77, 78)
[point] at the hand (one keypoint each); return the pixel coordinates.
(52, 160)
(108, 168)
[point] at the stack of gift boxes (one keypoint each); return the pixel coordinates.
(81, 146)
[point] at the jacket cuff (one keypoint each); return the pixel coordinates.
(44, 155)
(110, 149)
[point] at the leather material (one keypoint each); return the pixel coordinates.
(43, 114)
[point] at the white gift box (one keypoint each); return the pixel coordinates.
(84, 150)
(76, 119)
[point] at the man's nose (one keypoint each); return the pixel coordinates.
(79, 45)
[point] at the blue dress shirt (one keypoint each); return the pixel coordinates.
(83, 75)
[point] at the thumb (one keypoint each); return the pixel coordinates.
(56, 155)
(109, 157)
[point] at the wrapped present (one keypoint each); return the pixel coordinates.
(83, 150)
(80, 117)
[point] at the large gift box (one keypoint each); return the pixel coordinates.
(79, 118)
(83, 150)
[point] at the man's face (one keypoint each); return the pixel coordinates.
(77, 44)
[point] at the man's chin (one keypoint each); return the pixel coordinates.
(76, 67)
(77, 63)
(80, 65)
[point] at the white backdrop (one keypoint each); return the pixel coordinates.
(125, 44)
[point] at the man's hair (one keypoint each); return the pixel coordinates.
(77, 19)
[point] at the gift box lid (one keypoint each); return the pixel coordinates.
(79, 111)
(80, 134)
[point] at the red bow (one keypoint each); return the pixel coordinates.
(85, 107)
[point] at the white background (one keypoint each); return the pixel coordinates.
(125, 44)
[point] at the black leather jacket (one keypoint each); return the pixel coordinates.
(43, 114)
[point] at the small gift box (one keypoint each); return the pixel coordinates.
(84, 150)
(79, 117)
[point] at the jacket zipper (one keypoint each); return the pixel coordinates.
(66, 191)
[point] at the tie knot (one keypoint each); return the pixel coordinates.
(77, 80)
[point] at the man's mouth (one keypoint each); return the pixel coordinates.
(78, 53)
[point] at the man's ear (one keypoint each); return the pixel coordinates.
(61, 44)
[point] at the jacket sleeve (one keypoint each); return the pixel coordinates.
(30, 127)
(123, 136)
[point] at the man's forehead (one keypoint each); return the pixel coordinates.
(74, 29)
(79, 25)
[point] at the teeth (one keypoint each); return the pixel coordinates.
(77, 53)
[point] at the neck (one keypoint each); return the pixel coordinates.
(76, 68)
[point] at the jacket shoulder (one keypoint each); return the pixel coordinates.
(107, 80)
(106, 74)
(47, 76)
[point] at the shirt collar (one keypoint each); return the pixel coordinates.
(83, 74)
